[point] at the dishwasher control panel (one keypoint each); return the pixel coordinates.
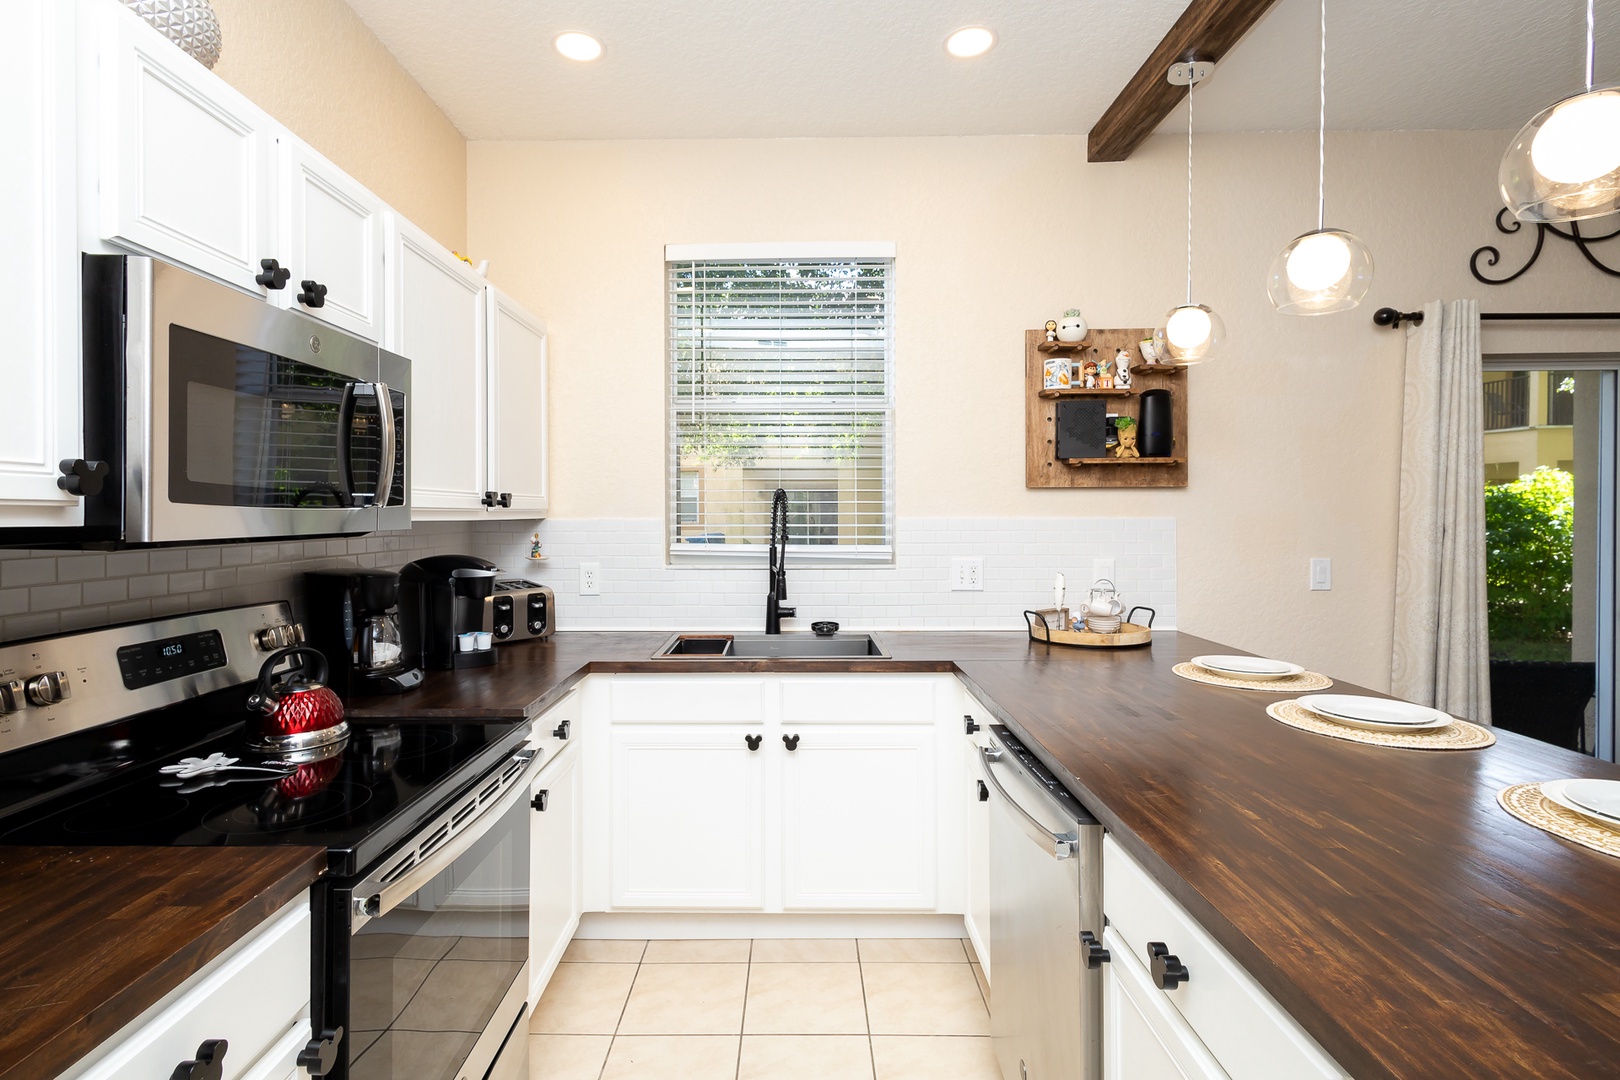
(1039, 773)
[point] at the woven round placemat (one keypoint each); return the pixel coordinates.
(1294, 684)
(1457, 735)
(1529, 805)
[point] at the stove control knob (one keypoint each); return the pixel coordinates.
(50, 688)
(275, 638)
(12, 697)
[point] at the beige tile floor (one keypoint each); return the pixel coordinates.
(872, 1009)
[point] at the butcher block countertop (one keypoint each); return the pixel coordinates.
(95, 936)
(1380, 895)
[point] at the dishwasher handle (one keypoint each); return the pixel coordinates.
(1058, 845)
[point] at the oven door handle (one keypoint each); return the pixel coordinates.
(374, 898)
(390, 439)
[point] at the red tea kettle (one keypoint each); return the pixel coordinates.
(300, 712)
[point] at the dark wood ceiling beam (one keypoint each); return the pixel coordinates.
(1205, 31)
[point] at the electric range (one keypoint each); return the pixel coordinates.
(421, 924)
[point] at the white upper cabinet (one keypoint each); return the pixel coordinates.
(437, 318)
(186, 164)
(517, 408)
(39, 277)
(332, 242)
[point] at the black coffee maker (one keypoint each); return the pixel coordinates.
(353, 619)
(441, 599)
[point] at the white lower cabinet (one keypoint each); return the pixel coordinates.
(1223, 1011)
(1144, 1037)
(687, 821)
(858, 820)
(975, 797)
(255, 996)
(554, 863)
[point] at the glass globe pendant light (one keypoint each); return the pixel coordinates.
(1325, 270)
(1564, 165)
(1192, 333)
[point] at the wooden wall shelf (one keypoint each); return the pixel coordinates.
(1043, 470)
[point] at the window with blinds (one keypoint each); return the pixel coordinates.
(779, 376)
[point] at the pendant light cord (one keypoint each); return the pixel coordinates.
(1192, 82)
(1321, 130)
(1591, 42)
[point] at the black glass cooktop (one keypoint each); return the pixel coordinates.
(107, 787)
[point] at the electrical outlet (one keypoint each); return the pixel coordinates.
(1102, 568)
(590, 579)
(967, 575)
(1321, 575)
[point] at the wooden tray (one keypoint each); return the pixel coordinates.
(1129, 633)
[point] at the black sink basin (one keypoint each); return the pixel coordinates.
(794, 646)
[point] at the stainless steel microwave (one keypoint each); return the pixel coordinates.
(222, 417)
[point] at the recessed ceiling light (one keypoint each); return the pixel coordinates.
(970, 41)
(577, 46)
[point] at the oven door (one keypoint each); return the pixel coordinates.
(439, 942)
(256, 421)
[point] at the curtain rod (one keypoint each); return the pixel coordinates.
(1391, 317)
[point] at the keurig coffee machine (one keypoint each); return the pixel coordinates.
(353, 619)
(441, 601)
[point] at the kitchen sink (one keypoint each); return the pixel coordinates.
(794, 646)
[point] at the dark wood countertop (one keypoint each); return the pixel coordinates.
(1380, 895)
(95, 936)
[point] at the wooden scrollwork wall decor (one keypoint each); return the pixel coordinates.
(1509, 225)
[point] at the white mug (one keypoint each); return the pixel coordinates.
(1105, 608)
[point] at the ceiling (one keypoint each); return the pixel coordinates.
(793, 68)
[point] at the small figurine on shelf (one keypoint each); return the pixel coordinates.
(1105, 374)
(534, 547)
(1088, 374)
(1122, 369)
(1127, 438)
(1051, 329)
(1072, 328)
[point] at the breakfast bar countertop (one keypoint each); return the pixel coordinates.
(1380, 895)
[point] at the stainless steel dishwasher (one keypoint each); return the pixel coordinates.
(1045, 920)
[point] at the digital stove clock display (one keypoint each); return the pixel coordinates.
(159, 661)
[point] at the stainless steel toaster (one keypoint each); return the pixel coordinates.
(519, 610)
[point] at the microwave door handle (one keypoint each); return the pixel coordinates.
(345, 426)
(390, 437)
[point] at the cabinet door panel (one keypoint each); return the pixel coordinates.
(436, 320)
(554, 866)
(332, 234)
(858, 821)
(517, 405)
(977, 918)
(185, 167)
(1144, 1038)
(687, 828)
(39, 277)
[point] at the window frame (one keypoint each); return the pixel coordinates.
(751, 554)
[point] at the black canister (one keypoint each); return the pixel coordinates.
(1157, 438)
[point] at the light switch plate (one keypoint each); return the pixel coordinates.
(590, 579)
(1321, 575)
(967, 575)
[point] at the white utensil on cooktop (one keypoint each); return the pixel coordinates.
(1378, 714)
(1248, 667)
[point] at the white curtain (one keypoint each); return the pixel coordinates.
(1441, 655)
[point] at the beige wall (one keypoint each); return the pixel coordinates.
(1294, 432)
(314, 66)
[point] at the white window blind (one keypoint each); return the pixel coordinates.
(779, 376)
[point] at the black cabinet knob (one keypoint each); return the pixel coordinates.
(561, 730)
(540, 800)
(490, 498)
(209, 1065)
(984, 792)
(320, 1054)
(314, 294)
(753, 741)
(970, 724)
(790, 741)
(505, 500)
(1095, 955)
(1168, 970)
(272, 274)
(81, 477)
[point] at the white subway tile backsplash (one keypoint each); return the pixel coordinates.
(18, 572)
(54, 597)
(165, 560)
(108, 591)
(185, 583)
(126, 563)
(81, 567)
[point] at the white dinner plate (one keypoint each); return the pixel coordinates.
(1559, 792)
(1597, 796)
(1248, 667)
(1377, 714)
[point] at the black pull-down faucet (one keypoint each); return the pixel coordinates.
(777, 583)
